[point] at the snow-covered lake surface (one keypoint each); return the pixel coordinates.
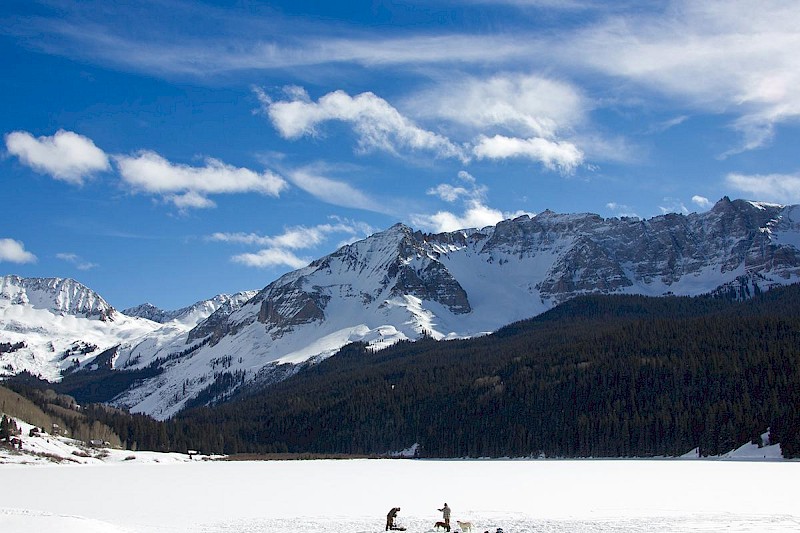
(353, 496)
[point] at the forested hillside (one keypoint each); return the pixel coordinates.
(599, 376)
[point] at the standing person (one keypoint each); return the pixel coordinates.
(446, 516)
(390, 518)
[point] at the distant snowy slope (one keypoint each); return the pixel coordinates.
(48, 325)
(192, 315)
(57, 295)
(51, 325)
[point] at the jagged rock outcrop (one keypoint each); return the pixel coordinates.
(60, 295)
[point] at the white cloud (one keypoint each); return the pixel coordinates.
(563, 156)
(451, 193)
(466, 177)
(191, 199)
(12, 251)
(621, 210)
(334, 191)
(673, 205)
(77, 261)
(166, 48)
(188, 186)
(476, 215)
(779, 188)
(448, 193)
(296, 237)
(535, 110)
(525, 105)
(66, 155)
(545, 4)
(701, 201)
(721, 56)
(377, 124)
(269, 258)
(277, 249)
(724, 56)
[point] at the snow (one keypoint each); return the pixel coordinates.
(119, 491)
(354, 496)
(46, 449)
(47, 336)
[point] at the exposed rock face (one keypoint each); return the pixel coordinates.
(289, 306)
(59, 295)
(148, 311)
(223, 304)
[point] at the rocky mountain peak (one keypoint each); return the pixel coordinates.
(148, 311)
(60, 295)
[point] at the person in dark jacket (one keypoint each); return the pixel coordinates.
(390, 525)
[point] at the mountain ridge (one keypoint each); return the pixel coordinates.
(402, 284)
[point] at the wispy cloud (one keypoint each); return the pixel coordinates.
(271, 257)
(227, 48)
(467, 188)
(668, 124)
(296, 237)
(554, 155)
(510, 115)
(779, 188)
(381, 126)
(65, 156)
(673, 205)
(332, 191)
(12, 251)
(187, 186)
(279, 250)
(378, 125)
(77, 261)
(475, 214)
(701, 201)
(621, 210)
(717, 56)
(523, 105)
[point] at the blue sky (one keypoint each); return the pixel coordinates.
(167, 151)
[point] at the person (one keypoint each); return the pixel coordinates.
(390, 518)
(446, 515)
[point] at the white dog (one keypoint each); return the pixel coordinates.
(465, 526)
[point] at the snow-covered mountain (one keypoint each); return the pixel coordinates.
(59, 296)
(401, 284)
(193, 314)
(49, 326)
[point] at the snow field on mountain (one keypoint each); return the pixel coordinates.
(47, 335)
(354, 496)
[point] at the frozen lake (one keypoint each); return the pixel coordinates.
(354, 496)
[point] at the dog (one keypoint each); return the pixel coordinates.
(438, 525)
(465, 526)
